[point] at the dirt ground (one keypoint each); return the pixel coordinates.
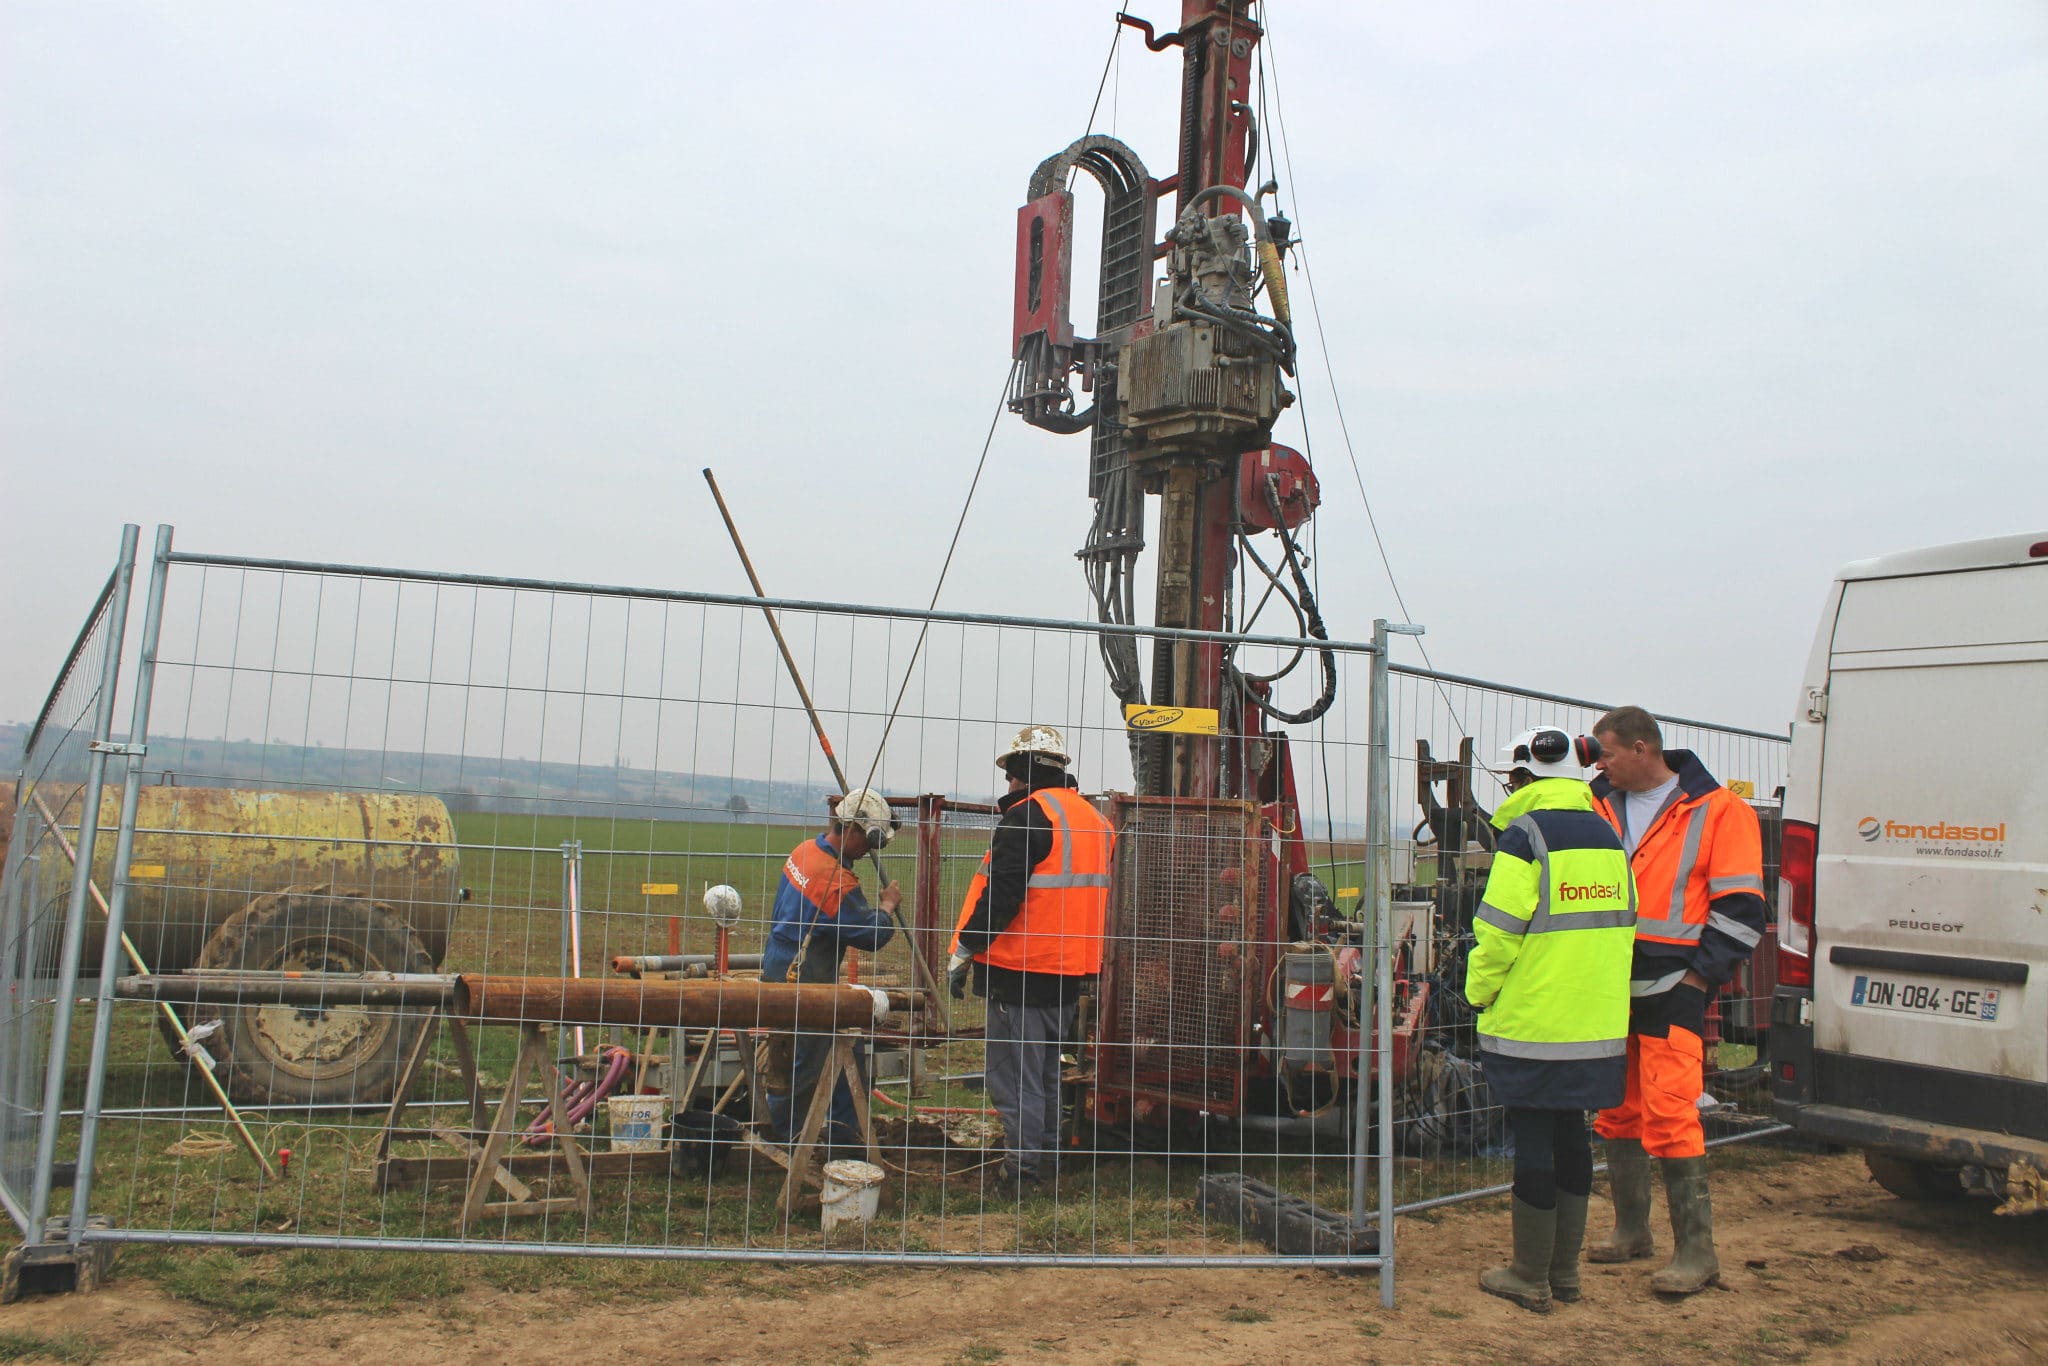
(1819, 1265)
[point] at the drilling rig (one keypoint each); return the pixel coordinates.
(1228, 989)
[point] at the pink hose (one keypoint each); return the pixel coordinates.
(581, 1097)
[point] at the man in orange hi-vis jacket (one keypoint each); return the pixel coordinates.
(1030, 935)
(1697, 855)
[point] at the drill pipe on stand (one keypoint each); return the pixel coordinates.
(489, 997)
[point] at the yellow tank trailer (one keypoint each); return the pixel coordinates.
(291, 881)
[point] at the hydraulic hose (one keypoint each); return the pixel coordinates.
(580, 1097)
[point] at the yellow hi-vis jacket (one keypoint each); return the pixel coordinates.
(1555, 931)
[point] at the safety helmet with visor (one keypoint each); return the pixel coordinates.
(869, 812)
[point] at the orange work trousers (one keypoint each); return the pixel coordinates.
(1666, 1076)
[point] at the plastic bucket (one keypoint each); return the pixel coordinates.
(638, 1122)
(852, 1192)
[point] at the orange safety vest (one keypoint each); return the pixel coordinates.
(1697, 848)
(1058, 930)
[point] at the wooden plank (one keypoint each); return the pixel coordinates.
(441, 1169)
(465, 1059)
(558, 1204)
(532, 1049)
(401, 1093)
(511, 1184)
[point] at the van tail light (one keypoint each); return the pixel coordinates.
(1798, 847)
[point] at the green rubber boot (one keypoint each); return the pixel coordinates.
(1628, 1172)
(1694, 1265)
(1526, 1280)
(1564, 1257)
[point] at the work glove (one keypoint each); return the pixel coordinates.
(956, 975)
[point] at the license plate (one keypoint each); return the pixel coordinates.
(1948, 1000)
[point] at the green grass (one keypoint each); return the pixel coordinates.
(68, 1347)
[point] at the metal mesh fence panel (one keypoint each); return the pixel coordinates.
(1449, 733)
(426, 864)
(428, 947)
(43, 902)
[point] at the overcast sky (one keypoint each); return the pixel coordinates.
(1643, 318)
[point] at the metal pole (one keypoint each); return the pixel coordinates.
(1368, 1012)
(572, 919)
(1378, 1006)
(117, 908)
(73, 946)
(921, 974)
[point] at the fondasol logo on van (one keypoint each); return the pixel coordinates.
(1937, 836)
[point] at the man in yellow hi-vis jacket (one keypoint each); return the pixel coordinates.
(1549, 974)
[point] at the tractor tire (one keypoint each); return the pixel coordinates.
(1910, 1180)
(267, 1054)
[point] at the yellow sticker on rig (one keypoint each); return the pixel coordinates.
(145, 870)
(1175, 720)
(1347, 891)
(1741, 788)
(657, 889)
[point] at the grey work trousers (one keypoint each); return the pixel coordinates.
(1022, 1072)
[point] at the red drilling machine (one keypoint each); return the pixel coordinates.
(1230, 990)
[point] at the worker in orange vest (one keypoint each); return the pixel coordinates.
(1697, 854)
(1030, 934)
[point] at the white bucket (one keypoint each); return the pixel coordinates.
(852, 1192)
(638, 1122)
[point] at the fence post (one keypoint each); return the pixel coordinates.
(572, 918)
(73, 944)
(117, 905)
(1376, 1011)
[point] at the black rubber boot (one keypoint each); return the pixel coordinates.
(1694, 1264)
(1564, 1257)
(1628, 1172)
(1526, 1280)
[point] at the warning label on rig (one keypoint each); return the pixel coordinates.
(1175, 720)
(138, 870)
(657, 889)
(1741, 788)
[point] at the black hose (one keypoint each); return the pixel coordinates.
(1316, 629)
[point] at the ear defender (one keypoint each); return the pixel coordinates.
(1549, 746)
(1587, 751)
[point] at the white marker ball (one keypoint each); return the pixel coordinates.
(723, 904)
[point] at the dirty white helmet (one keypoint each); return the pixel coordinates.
(722, 904)
(1043, 742)
(869, 810)
(1548, 752)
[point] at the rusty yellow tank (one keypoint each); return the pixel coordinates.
(204, 853)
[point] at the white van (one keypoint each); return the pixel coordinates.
(1911, 1013)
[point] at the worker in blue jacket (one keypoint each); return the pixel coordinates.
(820, 913)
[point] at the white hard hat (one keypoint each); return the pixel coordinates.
(869, 810)
(1043, 741)
(1548, 752)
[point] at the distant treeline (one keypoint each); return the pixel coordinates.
(466, 782)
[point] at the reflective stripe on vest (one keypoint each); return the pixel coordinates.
(1673, 928)
(1543, 920)
(1554, 1052)
(1058, 929)
(1063, 839)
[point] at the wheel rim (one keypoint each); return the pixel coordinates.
(318, 1042)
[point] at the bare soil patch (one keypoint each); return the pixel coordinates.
(1819, 1265)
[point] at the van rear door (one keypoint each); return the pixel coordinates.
(1931, 887)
